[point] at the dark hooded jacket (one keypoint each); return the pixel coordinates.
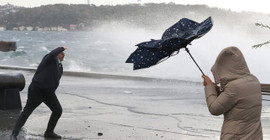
(49, 72)
(239, 100)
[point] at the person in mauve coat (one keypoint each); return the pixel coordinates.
(238, 98)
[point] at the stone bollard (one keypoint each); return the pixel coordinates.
(6, 46)
(10, 87)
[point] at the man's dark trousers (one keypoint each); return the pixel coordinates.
(35, 98)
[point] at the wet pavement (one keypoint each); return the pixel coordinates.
(100, 107)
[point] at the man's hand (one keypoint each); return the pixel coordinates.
(206, 80)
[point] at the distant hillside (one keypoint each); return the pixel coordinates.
(8, 8)
(148, 15)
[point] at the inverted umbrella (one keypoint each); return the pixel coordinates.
(176, 37)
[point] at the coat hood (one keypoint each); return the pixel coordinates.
(230, 65)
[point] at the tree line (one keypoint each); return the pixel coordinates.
(148, 15)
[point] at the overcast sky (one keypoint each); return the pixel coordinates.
(235, 5)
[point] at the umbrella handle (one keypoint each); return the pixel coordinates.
(194, 61)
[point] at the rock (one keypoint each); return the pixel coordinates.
(100, 134)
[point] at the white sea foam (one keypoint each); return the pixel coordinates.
(77, 66)
(21, 47)
(45, 49)
(33, 65)
(99, 42)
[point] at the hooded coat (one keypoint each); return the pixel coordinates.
(238, 99)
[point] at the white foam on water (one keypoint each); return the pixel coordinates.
(77, 66)
(45, 49)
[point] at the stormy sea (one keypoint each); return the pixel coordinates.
(165, 101)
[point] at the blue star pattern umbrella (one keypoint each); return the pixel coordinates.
(173, 39)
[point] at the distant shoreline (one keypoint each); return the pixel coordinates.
(64, 17)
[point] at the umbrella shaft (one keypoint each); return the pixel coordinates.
(194, 61)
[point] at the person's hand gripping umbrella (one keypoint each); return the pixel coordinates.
(176, 37)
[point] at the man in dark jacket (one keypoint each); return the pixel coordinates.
(42, 89)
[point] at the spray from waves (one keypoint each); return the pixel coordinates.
(18, 53)
(43, 48)
(63, 42)
(107, 46)
(21, 47)
(123, 38)
(100, 42)
(78, 67)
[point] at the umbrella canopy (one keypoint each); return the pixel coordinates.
(173, 39)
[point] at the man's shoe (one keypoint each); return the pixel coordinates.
(52, 135)
(13, 137)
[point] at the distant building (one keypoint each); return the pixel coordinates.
(2, 28)
(21, 28)
(72, 27)
(38, 29)
(53, 28)
(15, 29)
(29, 28)
(61, 29)
(46, 29)
(81, 25)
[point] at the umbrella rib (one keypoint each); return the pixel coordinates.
(194, 61)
